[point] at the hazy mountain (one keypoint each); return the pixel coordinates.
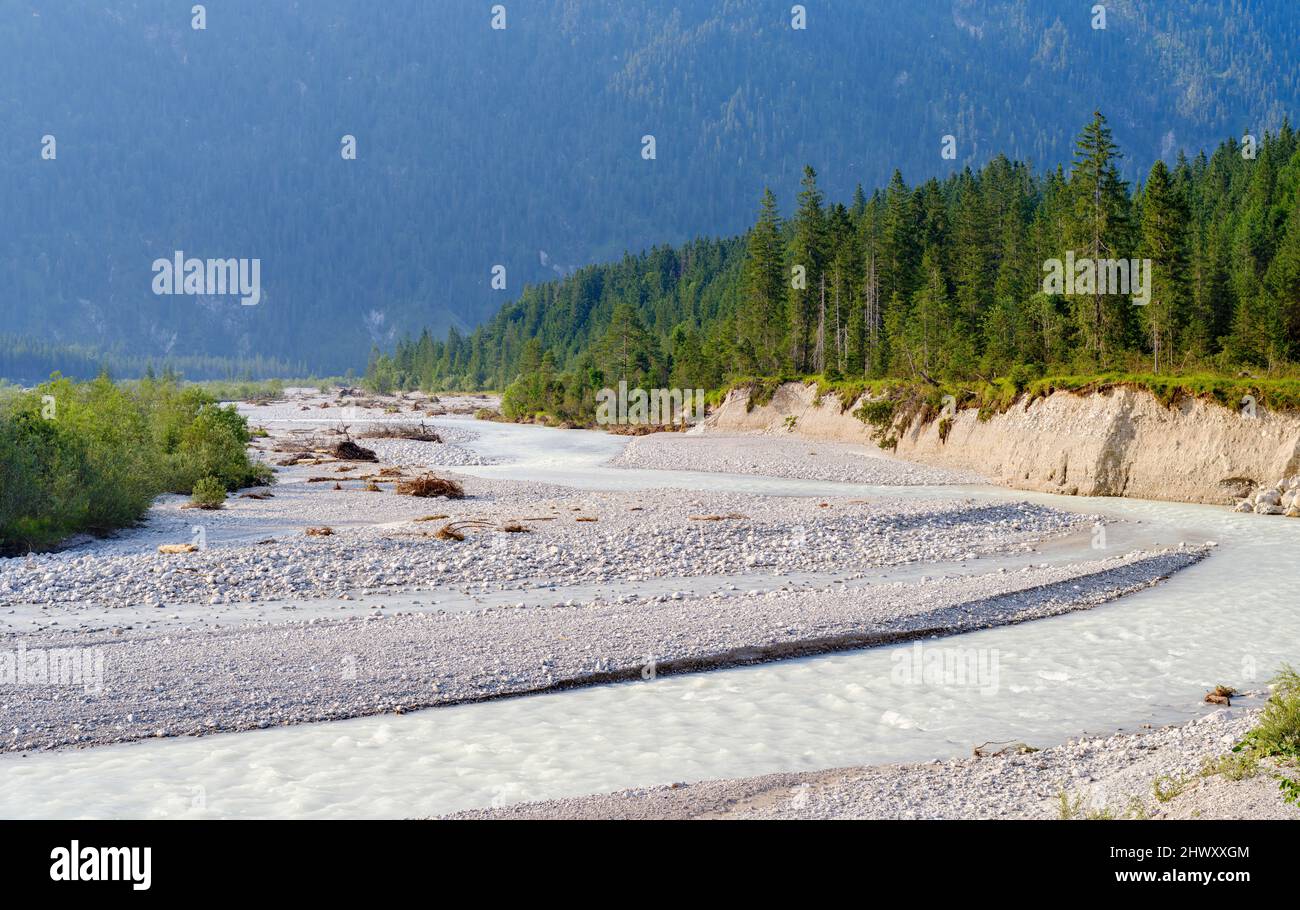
(523, 147)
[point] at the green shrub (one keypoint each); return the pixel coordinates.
(879, 413)
(1277, 735)
(209, 493)
(92, 456)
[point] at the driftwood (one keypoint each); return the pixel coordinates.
(428, 485)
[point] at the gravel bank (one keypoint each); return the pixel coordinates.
(257, 551)
(782, 456)
(1112, 776)
(195, 682)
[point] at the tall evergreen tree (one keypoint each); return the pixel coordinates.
(1099, 229)
(1163, 226)
(761, 320)
(808, 257)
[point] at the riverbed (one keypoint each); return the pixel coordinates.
(1145, 659)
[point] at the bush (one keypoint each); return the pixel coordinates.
(1277, 736)
(92, 456)
(879, 413)
(209, 493)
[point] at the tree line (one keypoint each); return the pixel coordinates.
(942, 280)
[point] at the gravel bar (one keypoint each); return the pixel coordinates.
(788, 457)
(198, 682)
(257, 550)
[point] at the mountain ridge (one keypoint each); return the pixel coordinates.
(522, 147)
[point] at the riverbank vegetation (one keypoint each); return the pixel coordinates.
(939, 285)
(1277, 736)
(91, 456)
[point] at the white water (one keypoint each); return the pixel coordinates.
(1234, 619)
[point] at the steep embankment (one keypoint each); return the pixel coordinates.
(1118, 442)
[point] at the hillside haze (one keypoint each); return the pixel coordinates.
(523, 147)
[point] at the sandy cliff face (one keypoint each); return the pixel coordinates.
(1117, 443)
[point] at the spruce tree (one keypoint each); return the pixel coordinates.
(807, 252)
(1163, 221)
(762, 314)
(1099, 229)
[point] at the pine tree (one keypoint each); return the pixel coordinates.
(807, 251)
(899, 249)
(1099, 230)
(627, 352)
(1283, 277)
(1163, 220)
(762, 315)
(974, 254)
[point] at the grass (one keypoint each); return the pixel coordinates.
(1274, 394)
(1275, 740)
(1234, 766)
(1167, 786)
(1277, 736)
(265, 390)
(887, 403)
(1071, 807)
(243, 390)
(1001, 393)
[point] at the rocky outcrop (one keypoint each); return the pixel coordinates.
(1118, 442)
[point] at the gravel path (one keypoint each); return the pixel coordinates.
(787, 457)
(1090, 777)
(190, 683)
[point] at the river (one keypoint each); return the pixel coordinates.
(1234, 618)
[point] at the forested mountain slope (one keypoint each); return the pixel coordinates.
(523, 147)
(942, 280)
